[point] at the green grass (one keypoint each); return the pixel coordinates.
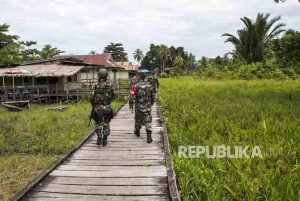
(30, 140)
(263, 113)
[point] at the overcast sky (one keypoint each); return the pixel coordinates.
(79, 26)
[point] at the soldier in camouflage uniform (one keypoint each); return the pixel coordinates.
(153, 81)
(143, 100)
(101, 98)
(132, 82)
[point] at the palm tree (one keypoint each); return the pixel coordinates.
(138, 55)
(253, 39)
(163, 52)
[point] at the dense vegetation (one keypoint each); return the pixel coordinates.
(117, 51)
(261, 50)
(263, 113)
(14, 52)
(32, 139)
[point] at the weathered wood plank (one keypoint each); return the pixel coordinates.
(108, 181)
(109, 173)
(117, 162)
(103, 190)
(112, 168)
(48, 196)
(107, 157)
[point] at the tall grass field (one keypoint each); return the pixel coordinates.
(264, 113)
(32, 139)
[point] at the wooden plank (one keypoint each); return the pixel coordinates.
(120, 152)
(48, 196)
(100, 149)
(117, 162)
(103, 190)
(109, 173)
(112, 168)
(108, 181)
(130, 157)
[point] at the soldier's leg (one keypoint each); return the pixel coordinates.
(137, 123)
(131, 102)
(99, 130)
(148, 121)
(106, 130)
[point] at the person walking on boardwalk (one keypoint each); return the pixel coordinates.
(132, 83)
(153, 81)
(101, 98)
(143, 100)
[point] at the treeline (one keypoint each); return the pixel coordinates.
(13, 51)
(258, 53)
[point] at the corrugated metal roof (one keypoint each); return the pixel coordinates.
(41, 70)
(98, 59)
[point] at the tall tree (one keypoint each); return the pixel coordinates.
(117, 51)
(163, 52)
(151, 60)
(138, 55)
(29, 53)
(92, 52)
(49, 52)
(253, 39)
(287, 50)
(9, 47)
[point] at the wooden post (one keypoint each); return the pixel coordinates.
(86, 75)
(67, 85)
(23, 84)
(77, 94)
(14, 95)
(93, 75)
(38, 91)
(4, 87)
(56, 92)
(48, 89)
(32, 87)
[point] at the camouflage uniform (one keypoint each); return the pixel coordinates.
(101, 99)
(153, 81)
(143, 101)
(132, 82)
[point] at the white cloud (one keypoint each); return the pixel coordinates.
(81, 26)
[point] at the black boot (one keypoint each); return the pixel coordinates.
(149, 138)
(99, 140)
(137, 133)
(104, 140)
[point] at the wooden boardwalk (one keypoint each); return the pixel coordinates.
(128, 168)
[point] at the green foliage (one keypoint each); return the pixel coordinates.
(287, 50)
(14, 52)
(265, 113)
(49, 52)
(117, 51)
(9, 47)
(92, 52)
(253, 40)
(161, 57)
(138, 55)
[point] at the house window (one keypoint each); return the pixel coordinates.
(40, 81)
(72, 78)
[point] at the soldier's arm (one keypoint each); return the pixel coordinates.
(157, 83)
(151, 95)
